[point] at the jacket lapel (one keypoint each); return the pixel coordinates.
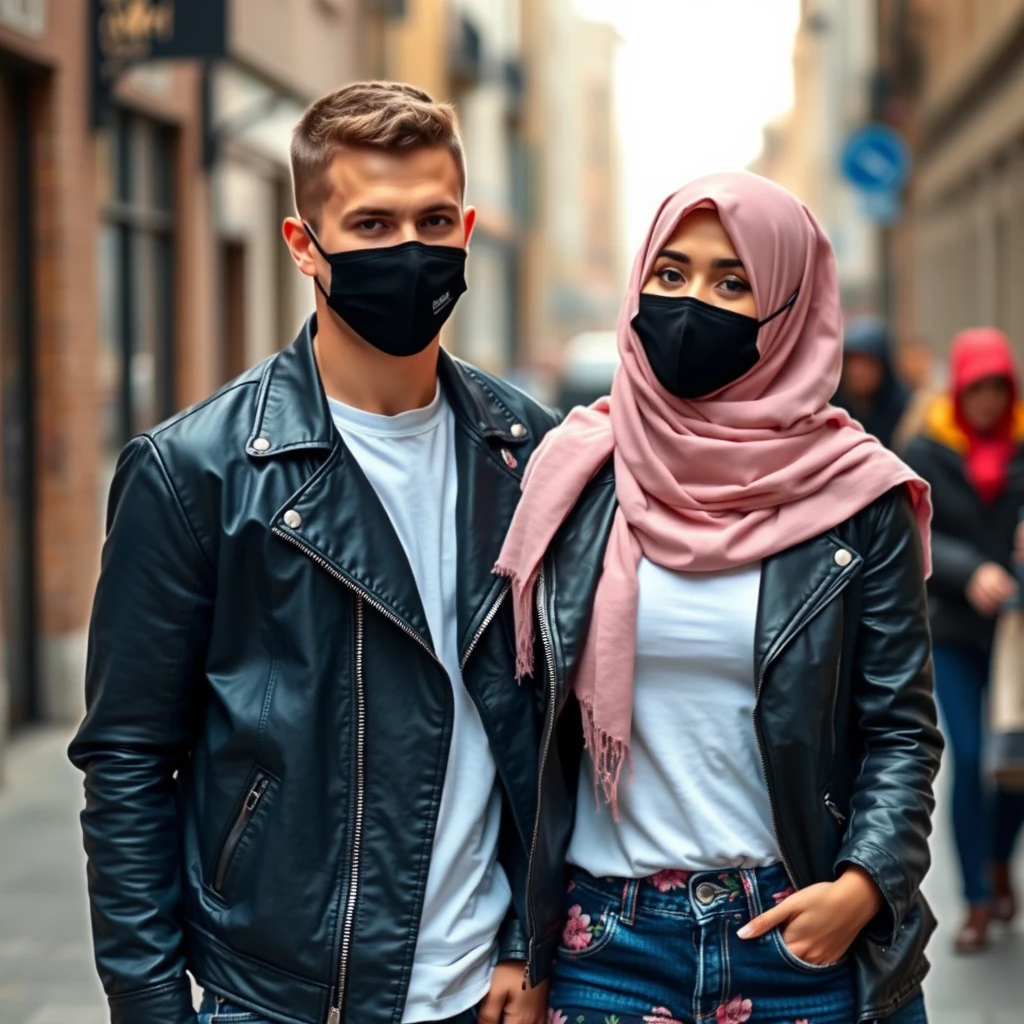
(795, 585)
(335, 517)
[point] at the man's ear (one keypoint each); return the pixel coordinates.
(469, 219)
(300, 246)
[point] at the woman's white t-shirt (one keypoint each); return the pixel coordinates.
(693, 794)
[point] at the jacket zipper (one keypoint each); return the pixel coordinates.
(253, 797)
(835, 691)
(549, 729)
(334, 1017)
(834, 808)
(829, 802)
(780, 646)
(488, 619)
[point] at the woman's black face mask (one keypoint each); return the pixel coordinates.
(695, 349)
(396, 298)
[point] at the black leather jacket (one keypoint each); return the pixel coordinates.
(966, 532)
(268, 729)
(845, 718)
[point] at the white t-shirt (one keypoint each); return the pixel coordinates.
(695, 799)
(410, 461)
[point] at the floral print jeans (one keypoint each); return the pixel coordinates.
(664, 950)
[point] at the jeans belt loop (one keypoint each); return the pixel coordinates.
(753, 892)
(627, 910)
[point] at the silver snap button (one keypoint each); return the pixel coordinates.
(843, 557)
(705, 893)
(510, 459)
(261, 444)
(518, 430)
(292, 519)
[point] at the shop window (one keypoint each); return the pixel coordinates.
(135, 261)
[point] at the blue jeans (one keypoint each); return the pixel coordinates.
(215, 1010)
(664, 950)
(985, 823)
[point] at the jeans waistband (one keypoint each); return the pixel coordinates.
(702, 895)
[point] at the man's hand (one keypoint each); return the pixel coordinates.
(508, 1002)
(990, 588)
(819, 923)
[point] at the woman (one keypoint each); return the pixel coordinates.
(728, 574)
(970, 451)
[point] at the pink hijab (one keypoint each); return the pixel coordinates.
(713, 483)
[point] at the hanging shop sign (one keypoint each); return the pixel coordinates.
(127, 32)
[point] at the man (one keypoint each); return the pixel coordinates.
(870, 390)
(311, 776)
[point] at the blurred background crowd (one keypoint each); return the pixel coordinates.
(144, 177)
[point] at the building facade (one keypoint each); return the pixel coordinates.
(573, 265)
(140, 267)
(958, 259)
(834, 57)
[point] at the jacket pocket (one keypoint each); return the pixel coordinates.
(254, 800)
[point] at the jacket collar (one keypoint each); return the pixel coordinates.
(341, 521)
(292, 411)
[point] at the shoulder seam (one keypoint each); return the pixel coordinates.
(198, 407)
(165, 473)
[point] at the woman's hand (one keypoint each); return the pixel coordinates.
(990, 588)
(820, 923)
(508, 1002)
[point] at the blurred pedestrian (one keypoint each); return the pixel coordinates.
(970, 450)
(870, 389)
(309, 770)
(726, 574)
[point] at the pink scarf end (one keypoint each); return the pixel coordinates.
(608, 754)
(522, 602)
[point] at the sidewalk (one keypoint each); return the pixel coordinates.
(46, 969)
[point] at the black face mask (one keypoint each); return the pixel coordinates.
(694, 348)
(396, 298)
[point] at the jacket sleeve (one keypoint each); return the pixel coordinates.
(512, 941)
(147, 642)
(954, 560)
(892, 800)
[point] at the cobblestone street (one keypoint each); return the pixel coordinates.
(46, 970)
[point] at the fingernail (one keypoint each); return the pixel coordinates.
(745, 932)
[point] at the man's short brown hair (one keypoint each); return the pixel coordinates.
(383, 115)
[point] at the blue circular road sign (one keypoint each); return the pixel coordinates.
(876, 159)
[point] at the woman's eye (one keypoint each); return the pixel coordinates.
(734, 284)
(670, 276)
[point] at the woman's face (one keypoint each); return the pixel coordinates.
(985, 403)
(699, 261)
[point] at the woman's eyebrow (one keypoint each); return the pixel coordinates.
(725, 263)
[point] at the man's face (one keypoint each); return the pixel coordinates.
(379, 199)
